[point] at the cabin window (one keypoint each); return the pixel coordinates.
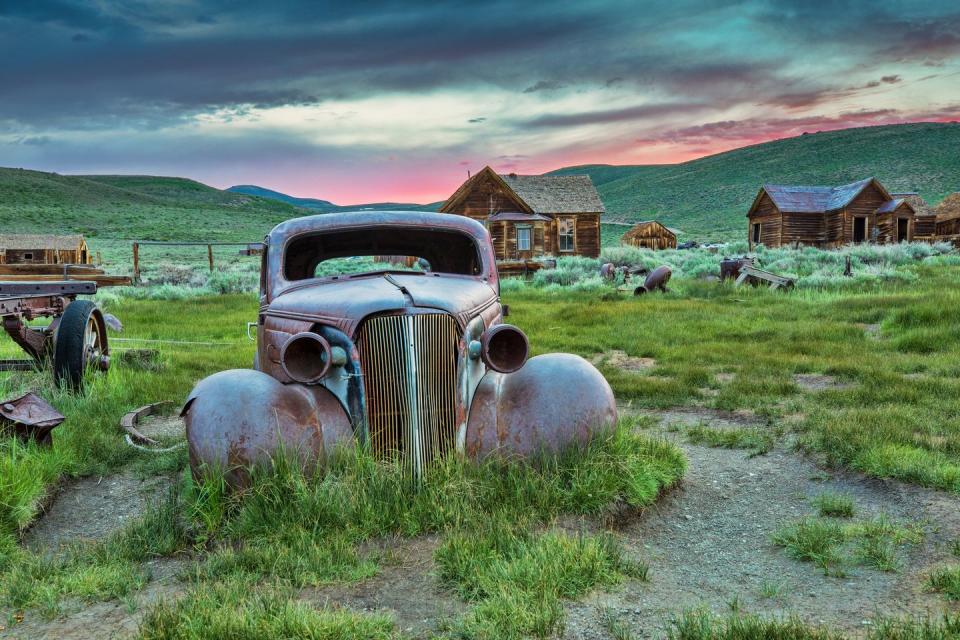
(565, 228)
(523, 238)
(28, 256)
(756, 233)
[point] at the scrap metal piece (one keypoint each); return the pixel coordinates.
(31, 417)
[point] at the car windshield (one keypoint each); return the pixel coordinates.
(393, 248)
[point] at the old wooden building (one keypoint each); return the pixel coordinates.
(16, 248)
(532, 216)
(828, 217)
(947, 216)
(650, 234)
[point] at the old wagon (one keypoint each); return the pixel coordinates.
(76, 338)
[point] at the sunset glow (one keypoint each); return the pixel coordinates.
(397, 102)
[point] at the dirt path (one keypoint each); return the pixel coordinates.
(708, 543)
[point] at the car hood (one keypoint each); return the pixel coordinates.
(346, 302)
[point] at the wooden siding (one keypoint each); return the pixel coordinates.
(587, 235)
(864, 205)
(766, 214)
(486, 198)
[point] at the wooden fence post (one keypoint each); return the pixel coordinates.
(210, 256)
(136, 262)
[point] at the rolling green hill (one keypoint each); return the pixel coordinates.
(708, 198)
(321, 206)
(133, 207)
(705, 199)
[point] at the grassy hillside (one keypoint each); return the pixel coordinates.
(708, 198)
(322, 206)
(133, 207)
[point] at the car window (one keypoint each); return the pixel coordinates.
(390, 248)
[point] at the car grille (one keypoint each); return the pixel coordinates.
(409, 374)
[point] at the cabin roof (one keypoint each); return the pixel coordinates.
(27, 241)
(640, 226)
(802, 199)
(892, 205)
(556, 194)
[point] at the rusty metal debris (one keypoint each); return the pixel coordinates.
(414, 365)
(75, 339)
(656, 281)
(30, 417)
(730, 267)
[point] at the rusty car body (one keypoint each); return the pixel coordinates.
(413, 362)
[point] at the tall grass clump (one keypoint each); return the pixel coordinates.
(231, 611)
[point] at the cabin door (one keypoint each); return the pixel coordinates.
(903, 229)
(859, 229)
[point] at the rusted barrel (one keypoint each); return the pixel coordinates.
(657, 279)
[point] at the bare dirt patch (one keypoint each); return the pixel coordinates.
(164, 428)
(708, 544)
(818, 382)
(93, 508)
(688, 416)
(620, 359)
(406, 588)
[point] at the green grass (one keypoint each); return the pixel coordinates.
(701, 625)
(946, 580)
(231, 611)
(833, 546)
(707, 199)
(835, 505)
(757, 440)
(516, 579)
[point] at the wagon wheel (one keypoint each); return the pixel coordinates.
(80, 342)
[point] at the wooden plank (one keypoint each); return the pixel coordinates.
(47, 269)
(101, 279)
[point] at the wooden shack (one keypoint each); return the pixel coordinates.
(17, 248)
(530, 217)
(828, 217)
(925, 221)
(651, 235)
(947, 215)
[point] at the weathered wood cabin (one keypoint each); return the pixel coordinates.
(948, 219)
(650, 234)
(828, 217)
(16, 248)
(532, 216)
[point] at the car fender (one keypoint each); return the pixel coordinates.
(555, 401)
(239, 418)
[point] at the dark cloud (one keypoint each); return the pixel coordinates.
(544, 85)
(477, 120)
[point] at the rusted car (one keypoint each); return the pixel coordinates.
(413, 362)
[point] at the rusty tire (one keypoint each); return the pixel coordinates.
(80, 342)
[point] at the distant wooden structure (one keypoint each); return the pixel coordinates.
(925, 222)
(947, 215)
(651, 235)
(828, 217)
(22, 248)
(530, 217)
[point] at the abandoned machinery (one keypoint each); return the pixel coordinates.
(412, 362)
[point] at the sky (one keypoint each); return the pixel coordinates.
(396, 101)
